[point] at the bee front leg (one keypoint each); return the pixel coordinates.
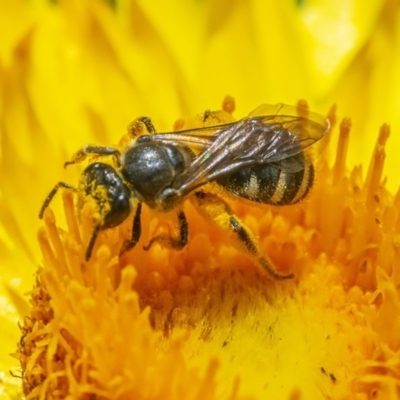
(92, 241)
(170, 242)
(87, 150)
(213, 208)
(51, 195)
(136, 230)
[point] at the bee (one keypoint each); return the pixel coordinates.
(265, 158)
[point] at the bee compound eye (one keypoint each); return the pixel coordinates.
(144, 139)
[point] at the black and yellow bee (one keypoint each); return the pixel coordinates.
(265, 158)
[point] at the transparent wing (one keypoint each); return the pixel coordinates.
(199, 138)
(270, 134)
(300, 130)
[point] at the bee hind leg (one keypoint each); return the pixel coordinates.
(213, 208)
(176, 243)
(248, 240)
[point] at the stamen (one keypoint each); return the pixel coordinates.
(341, 152)
(396, 204)
(302, 108)
(207, 390)
(228, 105)
(375, 170)
(70, 215)
(45, 247)
(73, 258)
(53, 234)
(331, 117)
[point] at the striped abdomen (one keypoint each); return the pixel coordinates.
(273, 183)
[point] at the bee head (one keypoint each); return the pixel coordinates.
(103, 191)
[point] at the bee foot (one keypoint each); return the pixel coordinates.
(128, 245)
(148, 246)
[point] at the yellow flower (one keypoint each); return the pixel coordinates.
(203, 322)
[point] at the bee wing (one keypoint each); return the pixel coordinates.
(199, 138)
(298, 133)
(258, 139)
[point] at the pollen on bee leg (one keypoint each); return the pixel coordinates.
(137, 128)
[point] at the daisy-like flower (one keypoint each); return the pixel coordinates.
(204, 322)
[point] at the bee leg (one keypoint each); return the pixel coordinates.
(136, 231)
(82, 154)
(51, 195)
(215, 209)
(148, 123)
(171, 242)
(141, 126)
(207, 114)
(92, 241)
